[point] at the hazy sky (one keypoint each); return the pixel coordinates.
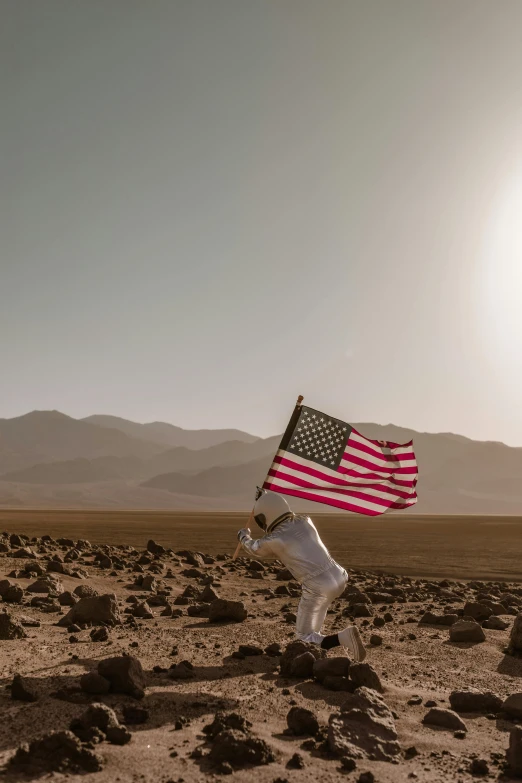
(211, 206)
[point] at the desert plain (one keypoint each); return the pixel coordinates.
(191, 657)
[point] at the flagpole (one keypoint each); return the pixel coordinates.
(238, 548)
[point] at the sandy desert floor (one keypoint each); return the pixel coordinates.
(415, 663)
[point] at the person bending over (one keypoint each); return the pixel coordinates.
(293, 539)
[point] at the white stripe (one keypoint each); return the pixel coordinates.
(331, 491)
(335, 473)
(397, 451)
(362, 502)
(350, 482)
(379, 463)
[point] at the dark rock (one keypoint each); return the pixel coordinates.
(184, 670)
(10, 628)
(208, 595)
(102, 609)
(222, 610)
(331, 667)
(59, 751)
(224, 721)
(118, 735)
(250, 649)
(155, 549)
(21, 690)
(477, 611)
(143, 611)
(479, 767)
(302, 665)
(296, 762)
(514, 752)
(496, 624)
(274, 649)
(92, 682)
(363, 674)
(302, 721)
(364, 728)
(515, 639)
(447, 719)
(293, 650)
(85, 591)
(335, 683)
(98, 716)
(14, 594)
(284, 575)
(376, 640)
(99, 634)
(125, 675)
(475, 701)
(67, 599)
(240, 749)
(466, 631)
(512, 706)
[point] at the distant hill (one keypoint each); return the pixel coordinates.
(49, 459)
(170, 435)
(47, 436)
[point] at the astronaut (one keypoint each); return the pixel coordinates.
(293, 539)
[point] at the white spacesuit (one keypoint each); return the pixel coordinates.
(293, 539)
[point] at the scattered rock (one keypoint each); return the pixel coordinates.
(239, 749)
(364, 728)
(302, 666)
(92, 682)
(21, 690)
(182, 671)
(58, 751)
(466, 631)
(512, 706)
(479, 767)
(331, 667)
(293, 650)
(475, 701)
(224, 721)
(10, 628)
(514, 752)
(364, 674)
(99, 634)
(447, 719)
(98, 610)
(302, 721)
(515, 639)
(125, 675)
(495, 624)
(222, 610)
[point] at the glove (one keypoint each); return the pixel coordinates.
(245, 531)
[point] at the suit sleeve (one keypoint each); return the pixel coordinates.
(259, 547)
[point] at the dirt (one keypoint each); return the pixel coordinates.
(226, 671)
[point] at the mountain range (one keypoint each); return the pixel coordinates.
(50, 459)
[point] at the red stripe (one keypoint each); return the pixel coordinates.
(347, 506)
(340, 481)
(377, 476)
(347, 490)
(372, 466)
(409, 455)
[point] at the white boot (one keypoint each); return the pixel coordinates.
(351, 639)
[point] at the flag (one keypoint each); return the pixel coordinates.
(324, 459)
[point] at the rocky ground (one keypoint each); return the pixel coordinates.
(154, 665)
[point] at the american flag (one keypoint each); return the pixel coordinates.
(326, 460)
